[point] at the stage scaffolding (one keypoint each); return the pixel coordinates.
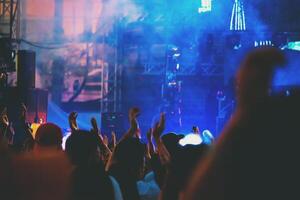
(9, 19)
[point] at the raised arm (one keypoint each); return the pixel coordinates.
(134, 126)
(73, 121)
(150, 146)
(162, 151)
(102, 145)
(4, 124)
(113, 140)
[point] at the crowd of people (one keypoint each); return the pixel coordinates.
(255, 157)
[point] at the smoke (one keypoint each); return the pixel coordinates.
(114, 11)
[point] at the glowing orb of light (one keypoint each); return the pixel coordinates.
(191, 139)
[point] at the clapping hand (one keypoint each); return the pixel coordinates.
(134, 126)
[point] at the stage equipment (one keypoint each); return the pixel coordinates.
(171, 88)
(26, 69)
(238, 21)
(113, 122)
(7, 56)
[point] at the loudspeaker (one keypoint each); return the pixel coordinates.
(26, 69)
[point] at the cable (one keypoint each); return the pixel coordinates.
(41, 46)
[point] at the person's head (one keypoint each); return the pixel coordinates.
(255, 74)
(190, 156)
(196, 130)
(130, 154)
(82, 148)
(49, 135)
(171, 141)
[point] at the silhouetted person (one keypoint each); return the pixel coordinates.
(23, 139)
(127, 166)
(256, 156)
(43, 173)
(89, 178)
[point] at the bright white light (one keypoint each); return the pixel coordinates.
(238, 20)
(191, 139)
(294, 45)
(205, 6)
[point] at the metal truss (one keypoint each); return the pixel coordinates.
(158, 68)
(9, 19)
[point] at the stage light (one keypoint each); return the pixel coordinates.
(238, 21)
(294, 46)
(191, 139)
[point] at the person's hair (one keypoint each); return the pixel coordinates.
(81, 147)
(170, 141)
(129, 154)
(49, 134)
(89, 179)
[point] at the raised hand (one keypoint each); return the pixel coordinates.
(113, 139)
(73, 121)
(157, 132)
(105, 140)
(150, 146)
(4, 118)
(134, 113)
(134, 126)
(159, 127)
(95, 128)
(101, 139)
